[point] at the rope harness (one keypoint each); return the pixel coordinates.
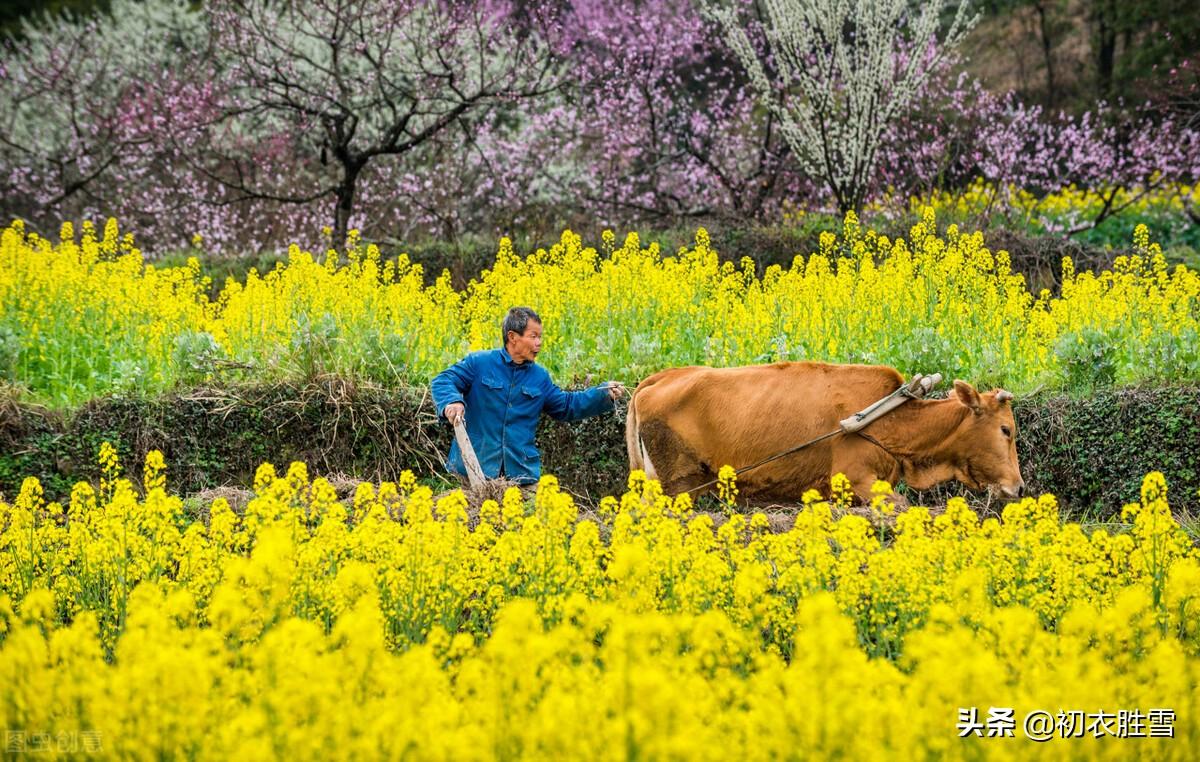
(915, 389)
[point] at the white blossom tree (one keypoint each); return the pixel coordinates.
(837, 72)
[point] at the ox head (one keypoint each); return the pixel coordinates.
(986, 449)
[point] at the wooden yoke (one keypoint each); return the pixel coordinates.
(916, 389)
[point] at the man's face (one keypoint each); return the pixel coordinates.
(525, 347)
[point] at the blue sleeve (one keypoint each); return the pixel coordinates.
(451, 384)
(572, 406)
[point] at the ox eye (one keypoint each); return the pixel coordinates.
(1006, 431)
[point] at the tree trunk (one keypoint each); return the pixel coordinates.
(1106, 47)
(1047, 45)
(345, 200)
(848, 201)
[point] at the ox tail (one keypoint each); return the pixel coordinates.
(638, 457)
(633, 441)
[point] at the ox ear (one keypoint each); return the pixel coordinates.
(966, 394)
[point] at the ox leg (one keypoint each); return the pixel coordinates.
(861, 463)
(685, 474)
(675, 464)
(862, 483)
(687, 480)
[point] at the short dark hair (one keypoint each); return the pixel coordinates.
(517, 320)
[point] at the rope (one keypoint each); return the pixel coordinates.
(777, 456)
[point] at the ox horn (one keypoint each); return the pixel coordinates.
(1004, 396)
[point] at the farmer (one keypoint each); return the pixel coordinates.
(505, 391)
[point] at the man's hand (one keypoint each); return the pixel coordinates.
(616, 389)
(455, 412)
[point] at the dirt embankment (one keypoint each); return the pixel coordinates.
(1091, 451)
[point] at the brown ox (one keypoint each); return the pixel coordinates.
(685, 423)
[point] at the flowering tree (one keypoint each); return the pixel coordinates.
(659, 123)
(327, 86)
(1111, 154)
(1180, 95)
(258, 123)
(844, 70)
(82, 103)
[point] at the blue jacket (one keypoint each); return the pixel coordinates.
(504, 401)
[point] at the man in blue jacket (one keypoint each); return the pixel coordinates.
(505, 391)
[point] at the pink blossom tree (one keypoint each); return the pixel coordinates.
(82, 104)
(325, 87)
